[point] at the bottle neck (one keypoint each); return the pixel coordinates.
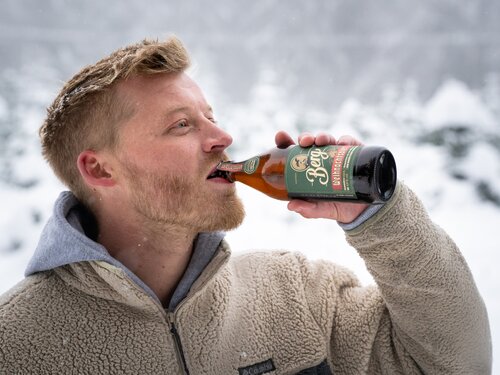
(230, 167)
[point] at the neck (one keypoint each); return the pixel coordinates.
(157, 254)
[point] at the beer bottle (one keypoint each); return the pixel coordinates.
(336, 172)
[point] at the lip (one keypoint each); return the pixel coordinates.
(212, 170)
(217, 179)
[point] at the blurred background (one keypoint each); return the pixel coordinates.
(422, 79)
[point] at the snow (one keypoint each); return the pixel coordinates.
(455, 104)
(454, 204)
(3, 108)
(482, 163)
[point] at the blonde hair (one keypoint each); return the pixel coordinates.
(86, 113)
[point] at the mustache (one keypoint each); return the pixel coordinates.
(178, 179)
(215, 159)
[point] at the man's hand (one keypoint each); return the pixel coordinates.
(342, 212)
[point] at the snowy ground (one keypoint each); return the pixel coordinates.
(453, 204)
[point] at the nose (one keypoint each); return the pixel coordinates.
(216, 139)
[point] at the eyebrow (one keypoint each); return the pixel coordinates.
(173, 110)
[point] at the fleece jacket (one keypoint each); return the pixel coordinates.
(79, 311)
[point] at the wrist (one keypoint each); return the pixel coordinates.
(363, 216)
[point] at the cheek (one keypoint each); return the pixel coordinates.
(157, 156)
(178, 155)
(183, 168)
(176, 163)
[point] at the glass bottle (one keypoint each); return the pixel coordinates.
(337, 172)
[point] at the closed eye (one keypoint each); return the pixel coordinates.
(211, 119)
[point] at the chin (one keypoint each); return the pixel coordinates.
(225, 217)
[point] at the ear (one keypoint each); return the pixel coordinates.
(94, 169)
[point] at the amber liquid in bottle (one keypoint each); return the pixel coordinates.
(361, 173)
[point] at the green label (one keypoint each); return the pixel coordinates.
(251, 165)
(321, 172)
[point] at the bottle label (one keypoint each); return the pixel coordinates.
(321, 172)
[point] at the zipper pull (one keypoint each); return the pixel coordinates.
(178, 344)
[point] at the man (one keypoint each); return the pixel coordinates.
(132, 274)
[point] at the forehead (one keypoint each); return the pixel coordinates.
(175, 87)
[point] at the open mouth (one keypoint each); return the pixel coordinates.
(219, 174)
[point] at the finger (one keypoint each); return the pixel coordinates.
(306, 139)
(344, 212)
(349, 140)
(312, 210)
(324, 139)
(283, 139)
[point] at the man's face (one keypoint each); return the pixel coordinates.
(166, 152)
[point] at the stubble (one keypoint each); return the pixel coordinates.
(176, 200)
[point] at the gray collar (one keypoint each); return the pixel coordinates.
(66, 239)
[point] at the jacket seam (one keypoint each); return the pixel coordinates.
(198, 286)
(137, 290)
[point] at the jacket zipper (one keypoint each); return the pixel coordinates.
(175, 334)
(178, 345)
(171, 317)
(173, 330)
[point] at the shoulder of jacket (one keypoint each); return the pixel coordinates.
(25, 289)
(262, 262)
(266, 257)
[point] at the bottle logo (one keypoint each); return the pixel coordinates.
(299, 163)
(250, 166)
(321, 172)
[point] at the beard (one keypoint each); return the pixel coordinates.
(177, 200)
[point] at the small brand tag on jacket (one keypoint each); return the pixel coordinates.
(258, 368)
